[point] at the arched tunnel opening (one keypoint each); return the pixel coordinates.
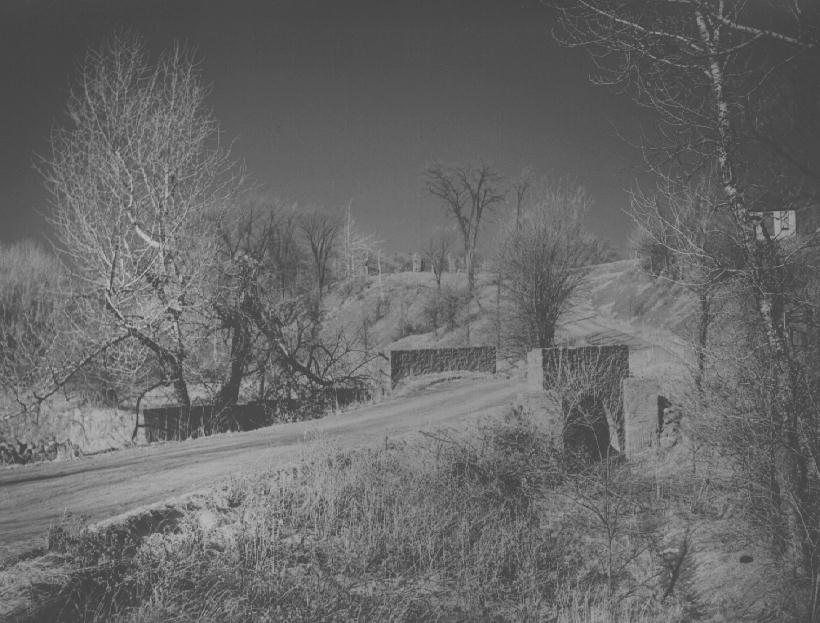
(586, 430)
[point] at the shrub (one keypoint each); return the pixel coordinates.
(442, 309)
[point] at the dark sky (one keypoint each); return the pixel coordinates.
(331, 101)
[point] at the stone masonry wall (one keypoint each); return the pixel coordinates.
(596, 371)
(70, 426)
(405, 363)
(166, 423)
(636, 424)
(606, 363)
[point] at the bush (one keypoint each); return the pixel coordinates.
(443, 308)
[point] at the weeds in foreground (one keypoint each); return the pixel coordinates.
(448, 529)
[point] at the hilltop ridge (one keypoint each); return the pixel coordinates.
(618, 303)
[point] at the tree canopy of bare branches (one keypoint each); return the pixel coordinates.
(685, 227)
(134, 169)
(357, 248)
(171, 276)
(436, 252)
(541, 258)
(270, 317)
(34, 324)
(467, 193)
(321, 231)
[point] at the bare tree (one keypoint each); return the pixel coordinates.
(357, 248)
(684, 224)
(254, 244)
(134, 169)
(35, 345)
(274, 331)
(711, 70)
(266, 228)
(522, 188)
(436, 252)
(541, 259)
(467, 193)
(320, 232)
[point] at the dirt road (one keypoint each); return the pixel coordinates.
(33, 498)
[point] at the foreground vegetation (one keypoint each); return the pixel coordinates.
(451, 528)
(487, 526)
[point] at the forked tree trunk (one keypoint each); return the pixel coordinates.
(228, 395)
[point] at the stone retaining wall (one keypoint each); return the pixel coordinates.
(65, 429)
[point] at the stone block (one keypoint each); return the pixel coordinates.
(640, 400)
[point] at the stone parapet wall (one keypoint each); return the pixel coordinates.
(603, 364)
(168, 423)
(406, 363)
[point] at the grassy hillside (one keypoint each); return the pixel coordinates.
(618, 304)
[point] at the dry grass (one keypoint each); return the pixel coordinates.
(446, 529)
